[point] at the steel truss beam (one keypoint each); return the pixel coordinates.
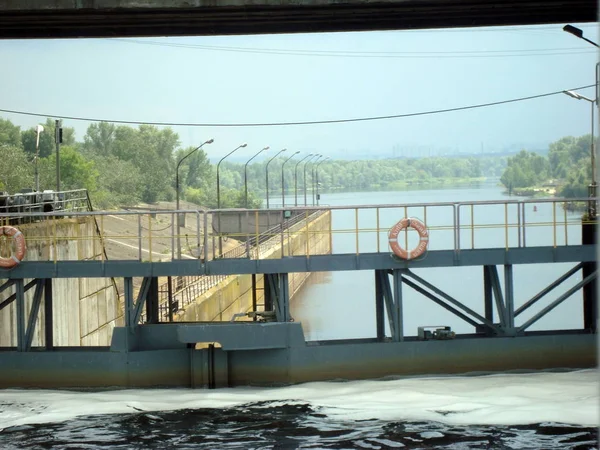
(391, 297)
(11, 298)
(444, 299)
(548, 288)
(277, 291)
(147, 296)
(558, 301)
(26, 323)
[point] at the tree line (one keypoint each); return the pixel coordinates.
(567, 168)
(122, 166)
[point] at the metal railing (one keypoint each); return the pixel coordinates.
(27, 206)
(354, 229)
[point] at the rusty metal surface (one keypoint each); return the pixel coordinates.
(68, 18)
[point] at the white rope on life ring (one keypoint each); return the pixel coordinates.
(419, 227)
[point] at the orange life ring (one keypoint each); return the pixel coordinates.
(420, 228)
(20, 248)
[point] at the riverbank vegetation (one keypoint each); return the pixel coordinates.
(122, 166)
(565, 172)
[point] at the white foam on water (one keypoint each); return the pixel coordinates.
(503, 399)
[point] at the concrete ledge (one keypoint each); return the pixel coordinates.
(244, 336)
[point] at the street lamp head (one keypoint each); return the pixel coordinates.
(296, 152)
(210, 141)
(573, 30)
(39, 128)
(243, 145)
(572, 94)
(266, 148)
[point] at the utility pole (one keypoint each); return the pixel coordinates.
(58, 134)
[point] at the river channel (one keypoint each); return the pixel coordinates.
(341, 305)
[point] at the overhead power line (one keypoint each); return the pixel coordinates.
(308, 122)
(371, 54)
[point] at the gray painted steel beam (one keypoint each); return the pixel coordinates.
(452, 300)
(509, 294)
(488, 296)
(20, 298)
(11, 298)
(48, 314)
(379, 313)
(318, 263)
(128, 293)
(443, 304)
(557, 302)
(139, 304)
(284, 296)
(497, 290)
(33, 313)
(398, 307)
(6, 285)
(548, 288)
(388, 299)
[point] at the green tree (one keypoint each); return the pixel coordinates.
(16, 171)
(9, 134)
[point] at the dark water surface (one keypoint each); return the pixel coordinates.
(264, 426)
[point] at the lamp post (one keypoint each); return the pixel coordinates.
(210, 141)
(38, 130)
(592, 188)
(219, 194)
(578, 33)
(283, 180)
(267, 173)
(317, 178)
(246, 176)
(305, 165)
(296, 178)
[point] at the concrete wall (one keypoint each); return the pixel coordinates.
(84, 310)
(234, 294)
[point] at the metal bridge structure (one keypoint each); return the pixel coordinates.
(151, 350)
(111, 18)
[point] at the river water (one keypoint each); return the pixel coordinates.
(536, 410)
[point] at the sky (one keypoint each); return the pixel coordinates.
(315, 77)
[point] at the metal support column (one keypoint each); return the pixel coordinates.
(170, 298)
(379, 315)
(48, 315)
(590, 300)
(509, 296)
(128, 293)
(488, 296)
(20, 299)
(388, 299)
(254, 300)
(33, 314)
(398, 312)
(284, 297)
(152, 313)
(497, 290)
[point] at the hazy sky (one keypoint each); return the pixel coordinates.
(315, 77)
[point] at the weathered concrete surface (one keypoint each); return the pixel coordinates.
(94, 18)
(233, 295)
(84, 309)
